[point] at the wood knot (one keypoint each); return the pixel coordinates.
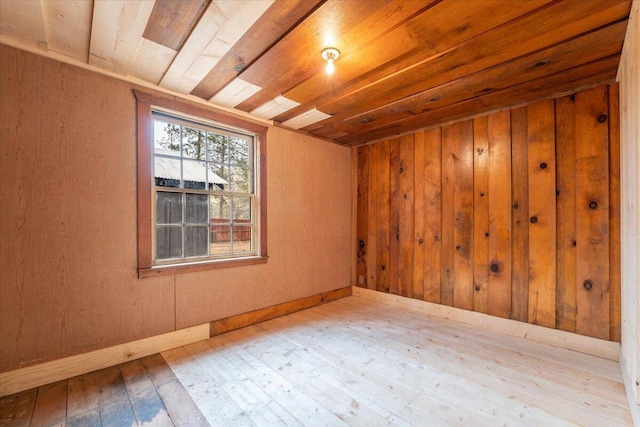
(588, 284)
(383, 268)
(602, 118)
(486, 234)
(574, 243)
(593, 204)
(515, 206)
(533, 219)
(361, 244)
(494, 267)
(543, 165)
(481, 194)
(477, 288)
(458, 248)
(420, 241)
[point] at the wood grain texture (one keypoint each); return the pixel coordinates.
(362, 215)
(240, 321)
(481, 159)
(592, 212)
(542, 213)
(406, 220)
(614, 214)
(503, 184)
(383, 230)
(433, 214)
(395, 202)
(270, 27)
(463, 215)
(566, 210)
(500, 242)
(171, 22)
(519, 215)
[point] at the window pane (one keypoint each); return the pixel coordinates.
(239, 151)
(242, 209)
(239, 180)
(241, 239)
(220, 239)
(166, 138)
(217, 148)
(168, 242)
(194, 143)
(220, 209)
(218, 177)
(167, 172)
(194, 174)
(168, 208)
(196, 209)
(195, 241)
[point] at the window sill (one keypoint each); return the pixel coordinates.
(172, 269)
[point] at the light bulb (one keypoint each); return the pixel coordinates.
(330, 67)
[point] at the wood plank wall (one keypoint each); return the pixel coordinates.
(514, 214)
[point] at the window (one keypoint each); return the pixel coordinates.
(201, 192)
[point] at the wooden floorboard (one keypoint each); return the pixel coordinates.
(360, 363)
(351, 362)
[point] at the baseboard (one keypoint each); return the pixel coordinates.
(56, 370)
(593, 346)
(246, 319)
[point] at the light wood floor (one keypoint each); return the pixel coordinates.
(350, 362)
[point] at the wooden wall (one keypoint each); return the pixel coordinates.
(514, 214)
(68, 281)
(629, 77)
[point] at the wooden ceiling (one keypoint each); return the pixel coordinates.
(404, 64)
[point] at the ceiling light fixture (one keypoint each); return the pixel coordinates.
(330, 54)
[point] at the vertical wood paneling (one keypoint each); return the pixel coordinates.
(463, 216)
(519, 216)
(372, 218)
(394, 216)
(362, 215)
(432, 214)
(542, 213)
(614, 214)
(419, 215)
(592, 213)
(499, 301)
(448, 215)
(566, 211)
(405, 222)
(383, 196)
(481, 214)
(485, 214)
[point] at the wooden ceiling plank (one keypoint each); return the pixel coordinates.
(234, 93)
(23, 21)
(437, 29)
(588, 48)
(574, 79)
(305, 119)
(221, 26)
(68, 26)
(266, 31)
(552, 25)
(172, 21)
(274, 107)
(151, 61)
(341, 24)
(116, 31)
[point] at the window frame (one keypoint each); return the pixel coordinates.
(146, 103)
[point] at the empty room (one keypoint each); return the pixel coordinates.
(319, 213)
